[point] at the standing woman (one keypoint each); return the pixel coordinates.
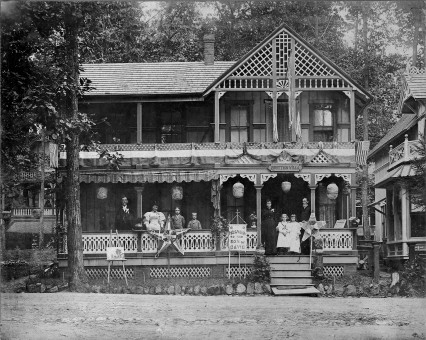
(269, 233)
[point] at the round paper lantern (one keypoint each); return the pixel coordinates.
(177, 193)
(102, 193)
(332, 191)
(238, 190)
(286, 186)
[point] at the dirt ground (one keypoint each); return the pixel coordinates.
(123, 316)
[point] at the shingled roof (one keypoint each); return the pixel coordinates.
(160, 78)
(417, 85)
(401, 126)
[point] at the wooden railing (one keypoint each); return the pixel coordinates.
(198, 241)
(404, 152)
(335, 239)
(30, 211)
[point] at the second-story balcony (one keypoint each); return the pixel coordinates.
(405, 152)
(199, 154)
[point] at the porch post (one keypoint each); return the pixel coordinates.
(405, 219)
(217, 96)
(139, 123)
(352, 114)
(313, 187)
(353, 201)
(259, 213)
(139, 193)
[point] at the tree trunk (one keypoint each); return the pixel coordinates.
(417, 18)
(72, 190)
(41, 204)
(356, 31)
(364, 183)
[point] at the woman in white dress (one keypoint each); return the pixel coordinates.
(154, 220)
(283, 242)
(294, 229)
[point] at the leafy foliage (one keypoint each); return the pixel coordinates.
(219, 225)
(261, 269)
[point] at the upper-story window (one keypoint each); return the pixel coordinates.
(323, 122)
(239, 126)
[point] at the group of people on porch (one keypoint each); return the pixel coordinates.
(284, 237)
(153, 220)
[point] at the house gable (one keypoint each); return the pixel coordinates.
(285, 60)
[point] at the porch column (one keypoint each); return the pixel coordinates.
(139, 193)
(313, 188)
(217, 96)
(353, 201)
(405, 219)
(352, 114)
(139, 123)
(259, 213)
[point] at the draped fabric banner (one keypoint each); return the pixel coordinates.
(362, 148)
(148, 177)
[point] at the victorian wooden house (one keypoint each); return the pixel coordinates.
(282, 113)
(399, 221)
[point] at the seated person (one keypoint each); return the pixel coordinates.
(178, 221)
(194, 223)
(154, 220)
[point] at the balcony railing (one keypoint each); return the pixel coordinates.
(31, 212)
(198, 241)
(404, 152)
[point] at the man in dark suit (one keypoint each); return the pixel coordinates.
(304, 217)
(124, 217)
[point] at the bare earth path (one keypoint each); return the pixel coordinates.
(107, 316)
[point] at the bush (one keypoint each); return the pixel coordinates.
(261, 270)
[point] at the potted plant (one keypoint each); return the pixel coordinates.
(253, 220)
(218, 226)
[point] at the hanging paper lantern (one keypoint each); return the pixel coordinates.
(102, 193)
(286, 186)
(238, 190)
(177, 193)
(332, 191)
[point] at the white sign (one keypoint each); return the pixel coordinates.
(115, 253)
(237, 237)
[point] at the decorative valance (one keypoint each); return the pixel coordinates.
(148, 176)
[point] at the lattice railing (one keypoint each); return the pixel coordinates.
(116, 273)
(179, 271)
(238, 271)
(283, 47)
(97, 243)
(330, 271)
(251, 241)
(337, 239)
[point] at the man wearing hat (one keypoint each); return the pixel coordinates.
(154, 220)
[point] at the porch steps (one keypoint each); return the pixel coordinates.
(291, 275)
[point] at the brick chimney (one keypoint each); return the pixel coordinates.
(208, 49)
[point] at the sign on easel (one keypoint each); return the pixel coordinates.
(237, 237)
(115, 253)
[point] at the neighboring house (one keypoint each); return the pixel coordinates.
(24, 222)
(398, 221)
(280, 121)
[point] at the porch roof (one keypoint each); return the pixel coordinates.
(28, 227)
(405, 170)
(162, 78)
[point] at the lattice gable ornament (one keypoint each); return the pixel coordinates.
(323, 158)
(280, 47)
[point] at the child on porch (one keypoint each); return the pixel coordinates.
(178, 221)
(294, 228)
(283, 242)
(194, 223)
